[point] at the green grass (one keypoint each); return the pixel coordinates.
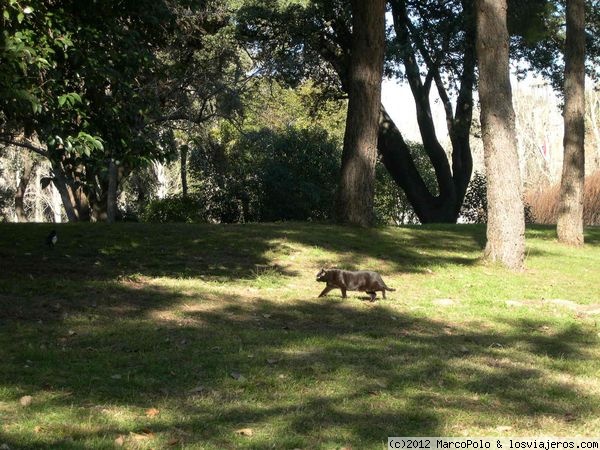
(119, 320)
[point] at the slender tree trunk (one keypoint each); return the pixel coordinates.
(183, 156)
(38, 214)
(570, 212)
(111, 198)
(357, 183)
(506, 221)
(28, 167)
(56, 204)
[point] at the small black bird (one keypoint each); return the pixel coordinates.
(51, 239)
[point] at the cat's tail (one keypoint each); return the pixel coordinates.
(389, 289)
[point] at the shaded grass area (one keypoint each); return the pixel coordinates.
(176, 336)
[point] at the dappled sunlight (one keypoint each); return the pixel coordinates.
(215, 352)
(336, 369)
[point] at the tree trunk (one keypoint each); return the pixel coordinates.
(183, 161)
(111, 197)
(56, 204)
(570, 212)
(357, 182)
(28, 166)
(452, 182)
(38, 211)
(506, 221)
(397, 159)
(65, 192)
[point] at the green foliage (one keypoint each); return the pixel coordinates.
(34, 40)
(474, 209)
(298, 172)
(269, 175)
(97, 81)
(175, 209)
(538, 35)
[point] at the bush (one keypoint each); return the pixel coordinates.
(268, 175)
(175, 209)
(474, 208)
(544, 202)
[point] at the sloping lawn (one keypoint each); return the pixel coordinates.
(212, 337)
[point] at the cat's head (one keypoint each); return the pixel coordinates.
(322, 275)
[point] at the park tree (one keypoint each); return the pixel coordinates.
(570, 214)
(103, 86)
(357, 180)
(506, 222)
(432, 46)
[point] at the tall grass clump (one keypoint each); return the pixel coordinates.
(544, 202)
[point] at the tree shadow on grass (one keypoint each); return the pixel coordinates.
(315, 373)
(219, 252)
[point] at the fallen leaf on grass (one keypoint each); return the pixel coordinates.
(26, 400)
(120, 441)
(381, 384)
(245, 432)
(152, 412)
(173, 442)
(37, 429)
(503, 428)
(147, 434)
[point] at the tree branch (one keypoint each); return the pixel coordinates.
(24, 144)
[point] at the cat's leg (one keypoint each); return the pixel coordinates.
(343, 292)
(325, 291)
(373, 295)
(383, 293)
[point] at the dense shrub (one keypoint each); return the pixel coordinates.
(175, 209)
(474, 208)
(268, 175)
(544, 202)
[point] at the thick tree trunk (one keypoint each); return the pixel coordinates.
(357, 182)
(506, 222)
(570, 213)
(396, 157)
(111, 197)
(28, 166)
(66, 194)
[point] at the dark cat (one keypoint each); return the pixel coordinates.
(346, 280)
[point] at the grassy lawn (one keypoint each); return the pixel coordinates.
(212, 337)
